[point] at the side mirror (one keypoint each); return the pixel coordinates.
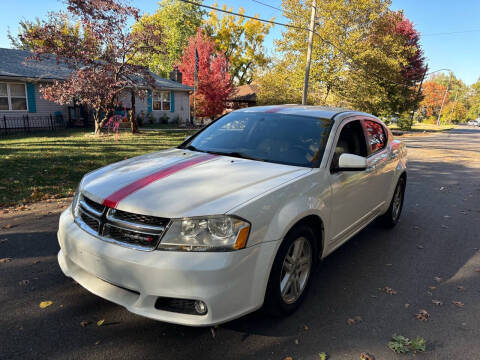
(351, 162)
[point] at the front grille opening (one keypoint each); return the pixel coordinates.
(94, 205)
(137, 218)
(141, 231)
(90, 221)
(130, 237)
(182, 306)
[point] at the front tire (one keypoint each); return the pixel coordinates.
(392, 216)
(291, 272)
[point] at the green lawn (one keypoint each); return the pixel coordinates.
(48, 165)
(426, 127)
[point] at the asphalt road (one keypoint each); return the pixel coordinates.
(436, 244)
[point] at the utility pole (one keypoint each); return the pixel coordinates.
(443, 101)
(416, 97)
(454, 104)
(309, 51)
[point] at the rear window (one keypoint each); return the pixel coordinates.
(377, 138)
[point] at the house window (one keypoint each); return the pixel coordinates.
(13, 96)
(161, 100)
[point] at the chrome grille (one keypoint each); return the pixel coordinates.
(142, 232)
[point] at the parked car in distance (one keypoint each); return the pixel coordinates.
(234, 218)
(475, 122)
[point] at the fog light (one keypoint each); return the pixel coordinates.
(200, 307)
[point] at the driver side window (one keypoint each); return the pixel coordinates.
(350, 141)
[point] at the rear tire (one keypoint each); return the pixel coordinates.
(392, 216)
(291, 272)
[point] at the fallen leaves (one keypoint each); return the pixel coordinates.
(422, 315)
(8, 226)
(323, 356)
(366, 356)
(402, 345)
(437, 279)
(354, 320)
(84, 323)
(24, 282)
(389, 290)
(45, 304)
(458, 304)
(461, 288)
(5, 260)
(437, 302)
(100, 322)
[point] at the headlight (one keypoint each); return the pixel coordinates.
(212, 233)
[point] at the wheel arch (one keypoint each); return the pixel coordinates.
(314, 222)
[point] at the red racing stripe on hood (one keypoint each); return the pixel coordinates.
(113, 200)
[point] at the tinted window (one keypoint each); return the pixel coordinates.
(350, 141)
(376, 135)
(272, 137)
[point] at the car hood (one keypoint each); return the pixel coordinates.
(179, 183)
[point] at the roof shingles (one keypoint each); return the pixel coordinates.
(15, 63)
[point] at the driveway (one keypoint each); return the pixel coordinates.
(432, 257)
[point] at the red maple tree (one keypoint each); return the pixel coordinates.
(214, 81)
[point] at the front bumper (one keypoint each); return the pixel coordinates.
(230, 283)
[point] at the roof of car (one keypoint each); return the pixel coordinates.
(304, 110)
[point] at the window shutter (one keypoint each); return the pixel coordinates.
(32, 105)
(172, 101)
(149, 101)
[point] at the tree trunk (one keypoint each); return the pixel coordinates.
(133, 118)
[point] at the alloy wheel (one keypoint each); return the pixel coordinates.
(295, 270)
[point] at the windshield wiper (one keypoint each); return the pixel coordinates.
(235, 154)
(192, 148)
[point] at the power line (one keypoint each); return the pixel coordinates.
(268, 5)
(378, 77)
(452, 32)
(242, 15)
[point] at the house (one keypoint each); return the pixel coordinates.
(20, 96)
(242, 96)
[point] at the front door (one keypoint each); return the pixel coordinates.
(351, 191)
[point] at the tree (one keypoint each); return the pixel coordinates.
(99, 55)
(176, 21)
(454, 112)
(241, 40)
(214, 80)
(392, 64)
(433, 93)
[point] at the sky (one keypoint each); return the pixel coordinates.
(450, 29)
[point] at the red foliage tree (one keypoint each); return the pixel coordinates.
(214, 81)
(415, 67)
(99, 53)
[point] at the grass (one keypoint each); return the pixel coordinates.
(159, 126)
(426, 127)
(49, 165)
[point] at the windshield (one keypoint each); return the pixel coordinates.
(278, 138)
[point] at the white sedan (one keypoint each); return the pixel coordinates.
(234, 218)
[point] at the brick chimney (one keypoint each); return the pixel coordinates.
(176, 75)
